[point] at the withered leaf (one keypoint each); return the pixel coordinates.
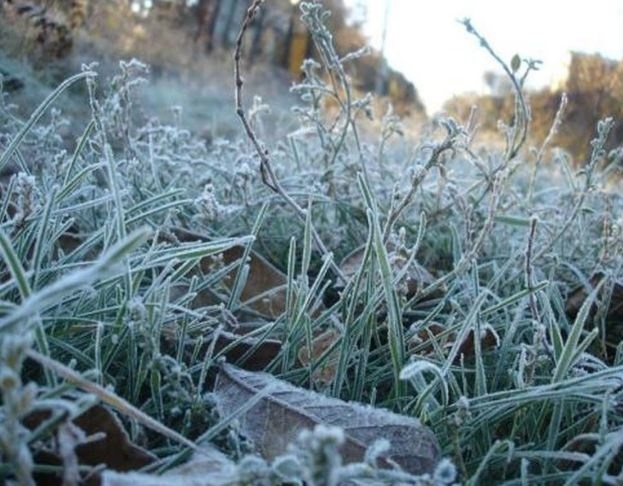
(263, 279)
(579, 295)
(111, 445)
(323, 375)
(114, 448)
(488, 340)
(416, 278)
(612, 293)
(248, 352)
(251, 352)
(421, 343)
(285, 410)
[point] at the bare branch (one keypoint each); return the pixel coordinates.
(268, 174)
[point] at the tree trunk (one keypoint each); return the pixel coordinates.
(202, 14)
(213, 16)
(229, 23)
(256, 46)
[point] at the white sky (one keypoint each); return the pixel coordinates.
(427, 44)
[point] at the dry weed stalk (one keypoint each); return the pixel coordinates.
(269, 177)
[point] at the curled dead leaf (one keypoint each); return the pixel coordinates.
(580, 294)
(263, 293)
(488, 340)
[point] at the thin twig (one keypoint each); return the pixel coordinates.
(522, 118)
(603, 130)
(548, 140)
(433, 160)
(268, 174)
(529, 278)
(530, 285)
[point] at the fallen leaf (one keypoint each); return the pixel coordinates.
(265, 288)
(264, 291)
(115, 448)
(284, 411)
(109, 445)
(488, 339)
(257, 353)
(416, 278)
(579, 295)
(612, 332)
(253, 352)
(324, 374)
(421, 343)
(263, 280)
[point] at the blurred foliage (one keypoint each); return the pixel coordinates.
(172, 35)
(594, 86)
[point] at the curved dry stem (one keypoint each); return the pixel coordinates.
(269, 177)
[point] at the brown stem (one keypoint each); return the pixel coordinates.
(269, 178)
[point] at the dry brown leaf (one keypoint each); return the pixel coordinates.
(115, 449)
(416, 278)
(323, 375)
(285, 410)
(613, 330)
(421, 344)
(263, 279)
(579, 295)
(488, 339)
(111, 446)
(259, 353)
(253, 353)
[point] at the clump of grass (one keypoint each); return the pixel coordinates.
(515, 388)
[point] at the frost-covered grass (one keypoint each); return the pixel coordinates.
(516, 387)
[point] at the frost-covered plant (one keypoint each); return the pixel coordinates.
(17, 402)
(124, 172)
(514, 385)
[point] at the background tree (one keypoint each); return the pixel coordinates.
(594, 85)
